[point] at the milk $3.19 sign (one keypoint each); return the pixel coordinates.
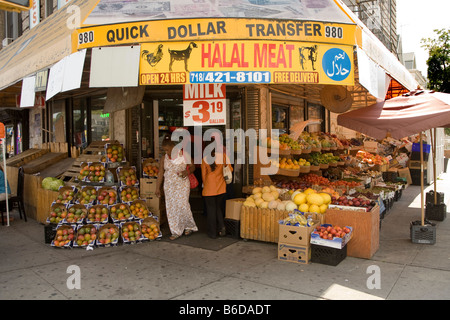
(204, 104)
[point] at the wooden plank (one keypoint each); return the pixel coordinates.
(25, 157)
(43, 162)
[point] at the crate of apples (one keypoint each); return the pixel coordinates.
(131, 232)
(98, 213)
(139, 209)
(129, 194)
(127, 176)
(66, 195)
(114, 153)
(150, 229)
(86, 236)
(76, 213)
(120, 212)
(64, 237)
(107, 196)
(329, 232)
(87, 196)
(108, 235)
(58, 213)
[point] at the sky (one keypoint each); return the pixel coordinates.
(416, 19)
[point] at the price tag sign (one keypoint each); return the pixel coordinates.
(204, 104)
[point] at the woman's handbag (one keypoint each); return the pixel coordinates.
(192, 180)
(227, 174)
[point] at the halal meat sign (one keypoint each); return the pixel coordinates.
(204, 104)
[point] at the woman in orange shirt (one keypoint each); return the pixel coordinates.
(214, 190)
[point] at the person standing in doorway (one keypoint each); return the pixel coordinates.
(174, 171)
(214, 189)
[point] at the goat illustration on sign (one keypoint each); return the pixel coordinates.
(181, 55)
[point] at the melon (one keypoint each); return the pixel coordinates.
(268, 196)
(250, 199)
(273, 188)
(257, 190)
(273, 204)
(303, 207)
(314, 198)
(265, 189)
(257, 195)
(249, 204)
(300, 198)
(275, 194)
(264, 205)
(326, 197)
(294, 194)
(290, 206)
(309, 191)
(323, 208)
(258, 202)
(314, 208)
(281, 206)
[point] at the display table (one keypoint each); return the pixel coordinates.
(366, 230)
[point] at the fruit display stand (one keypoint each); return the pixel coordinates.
(366, 229)
(261, 224)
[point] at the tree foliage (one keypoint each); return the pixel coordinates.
(439, 60)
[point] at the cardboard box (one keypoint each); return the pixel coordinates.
(153, 202)
(405, 173)
(296, 235)
(233, 208)
(371, 146)
(296, 254)
(366, 230)
(337, 243)
(147, 186)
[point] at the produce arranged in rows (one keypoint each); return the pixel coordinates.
(150, 168)
(329, 232)
(92, 172)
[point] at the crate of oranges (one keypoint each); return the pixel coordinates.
(150, 168)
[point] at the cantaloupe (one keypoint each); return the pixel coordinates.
(303, 207)
(264, 205)
(265, 189)
(258, 202)
(314, 208)
(249, 204)
(275, 194)
(257, 195)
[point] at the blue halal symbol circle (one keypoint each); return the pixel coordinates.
(336, 64)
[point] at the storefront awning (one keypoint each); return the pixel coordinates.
(44, 45)
(231, 26)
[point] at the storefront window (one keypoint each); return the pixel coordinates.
(280, 118)
(79, 123)
(58, 121)
(315, 111)
(99, 120)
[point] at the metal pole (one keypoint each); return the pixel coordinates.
(6, 180)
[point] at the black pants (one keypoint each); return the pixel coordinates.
(215, 211)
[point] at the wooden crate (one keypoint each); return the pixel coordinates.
(37, 200)
(366, 230)
(261, 224)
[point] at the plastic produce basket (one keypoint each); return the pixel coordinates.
(425, 234)
(327, 255)
(436, 212)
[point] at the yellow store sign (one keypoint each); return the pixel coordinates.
(213, 29)
(245, 62)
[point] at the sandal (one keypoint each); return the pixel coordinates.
(223, 232)
(174, 237)
(187, 233)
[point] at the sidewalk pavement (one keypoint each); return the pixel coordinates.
(240, 270)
